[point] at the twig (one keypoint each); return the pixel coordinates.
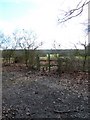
(73, 12)
(69, 111)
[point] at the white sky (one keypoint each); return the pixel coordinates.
(41, 17)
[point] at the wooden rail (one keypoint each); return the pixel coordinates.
(46, 63)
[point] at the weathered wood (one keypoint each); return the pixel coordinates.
(38, 62)
(49, 61)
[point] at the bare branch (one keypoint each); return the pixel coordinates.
(73, 12)
(40, 44)
(83, 44)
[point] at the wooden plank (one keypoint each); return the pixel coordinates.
(49, 61)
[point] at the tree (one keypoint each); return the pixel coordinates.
(74, 12)
(4, 45)
(88, 48)
(26, 40)
(85, 54)
(4, 41)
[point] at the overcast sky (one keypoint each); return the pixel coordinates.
(41, 17)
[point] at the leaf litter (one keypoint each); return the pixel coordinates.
(27, 94)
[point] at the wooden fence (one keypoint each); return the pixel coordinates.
(42, 59)
(46, 63)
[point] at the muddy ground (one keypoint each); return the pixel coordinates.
(31, 94)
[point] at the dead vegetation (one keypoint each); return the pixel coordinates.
(32, 94)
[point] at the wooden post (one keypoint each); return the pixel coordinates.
(59, 65)
(38, 62)
(49, 61)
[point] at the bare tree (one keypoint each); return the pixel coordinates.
(85, 54)
(74, 12)
(4, 41)
(56, 45)
(5, 45)
(26, 40)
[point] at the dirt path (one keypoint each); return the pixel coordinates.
(43, 95)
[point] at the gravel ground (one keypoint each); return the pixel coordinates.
(27, 94)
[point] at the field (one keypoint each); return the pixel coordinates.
(38, 94)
